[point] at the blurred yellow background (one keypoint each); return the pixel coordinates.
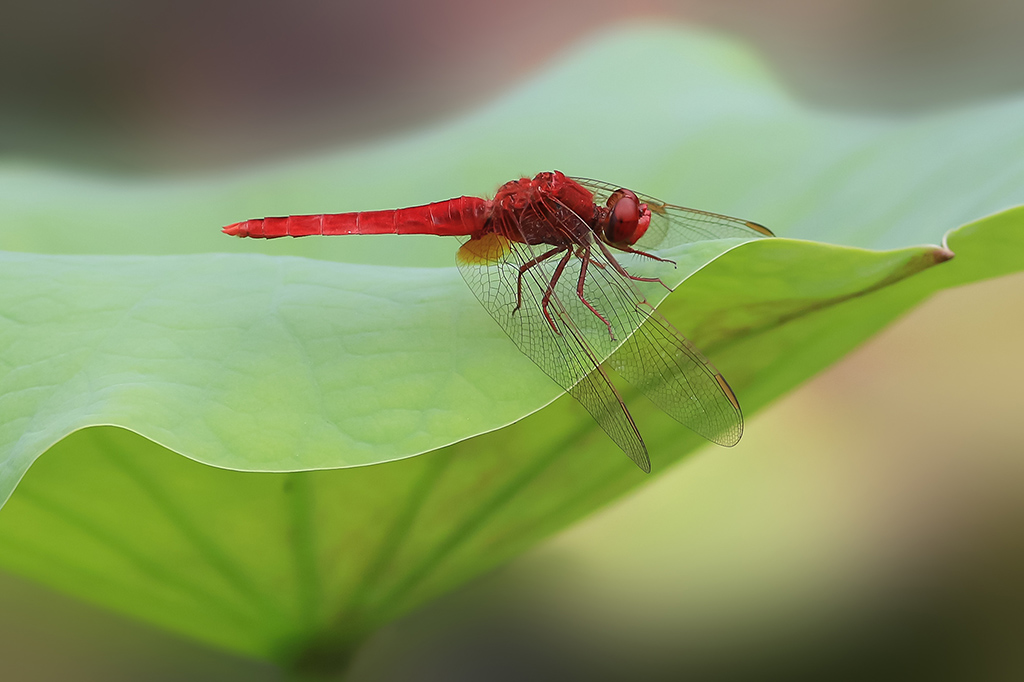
(869, 526)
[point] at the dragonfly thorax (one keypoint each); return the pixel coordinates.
(549, 208)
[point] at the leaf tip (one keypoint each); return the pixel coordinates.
(941, 254)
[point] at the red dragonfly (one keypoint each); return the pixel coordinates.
(539, 257)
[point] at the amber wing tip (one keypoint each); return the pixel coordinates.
(758, 227)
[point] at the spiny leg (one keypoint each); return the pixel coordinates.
(584, 256)
(596, 263)
(551, 289)
(622, 271)
(526, 266)
(630, 249)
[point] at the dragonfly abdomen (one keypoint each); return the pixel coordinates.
(454, 217)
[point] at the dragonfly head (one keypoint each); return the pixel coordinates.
(628, 219)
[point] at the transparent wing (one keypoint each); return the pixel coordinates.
(513, 282)
(676, 377)
(673, 225)
(571, 307)
(648, 352)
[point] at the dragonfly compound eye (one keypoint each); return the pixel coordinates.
(625, 218)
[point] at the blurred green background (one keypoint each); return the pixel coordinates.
(867, 527)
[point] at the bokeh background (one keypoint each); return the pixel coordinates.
(869, 526)
(179, 85)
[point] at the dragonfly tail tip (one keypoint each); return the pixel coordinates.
(235, 229)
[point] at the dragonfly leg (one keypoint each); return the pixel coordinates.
(622, 271)
(585, 261)
(551, 289)
(526, 266)
(649, 279)
(596, 263)
(630, 249)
